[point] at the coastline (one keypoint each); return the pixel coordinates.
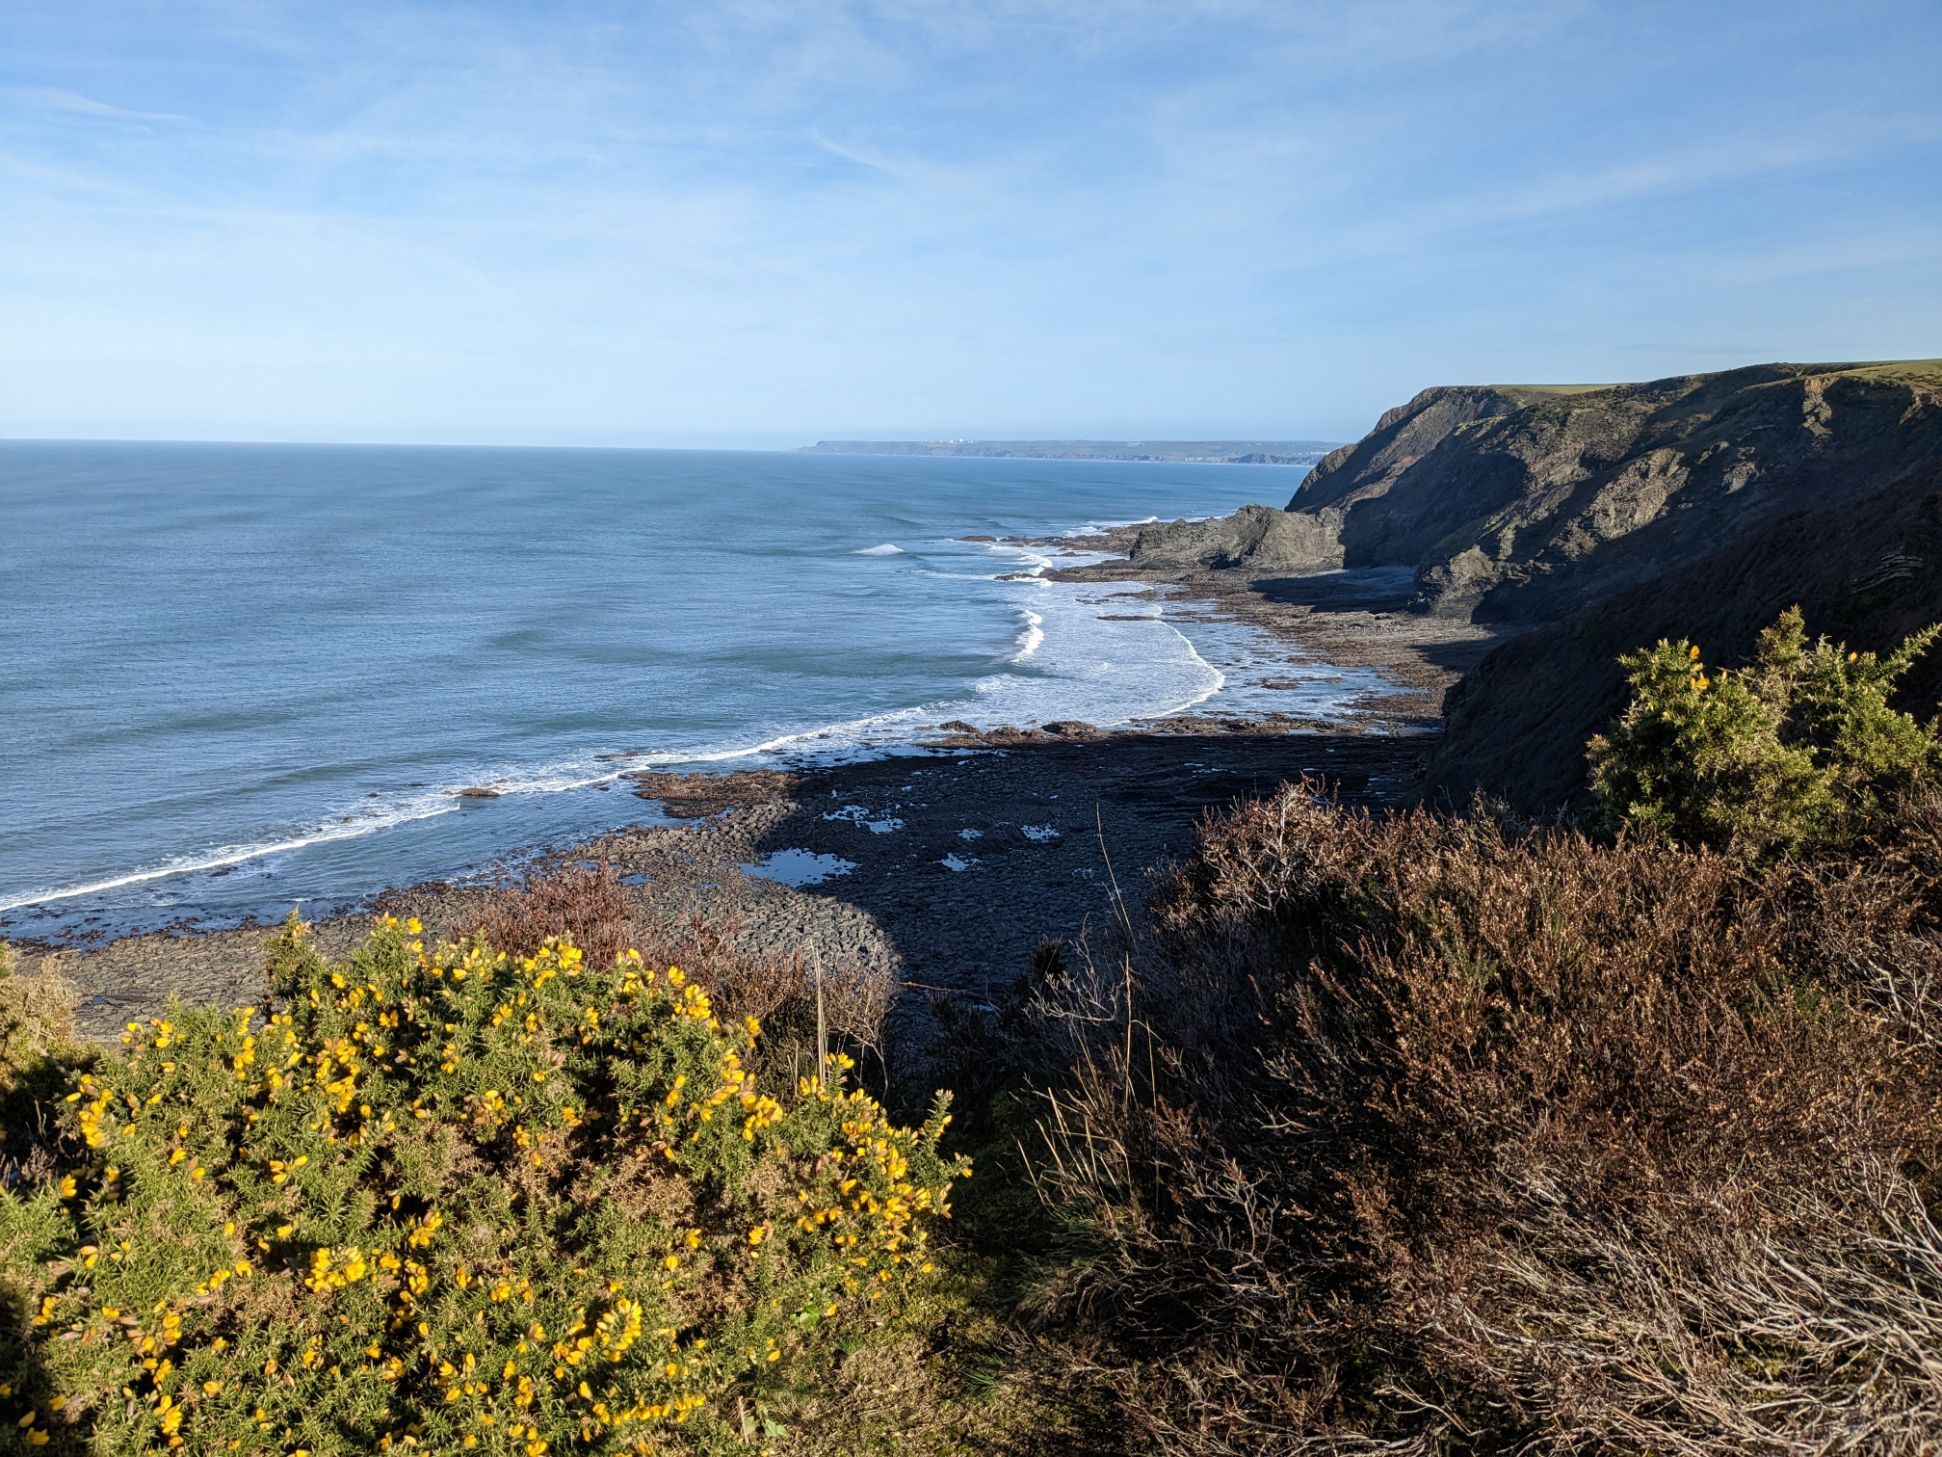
(1353, 618)
(956, 858)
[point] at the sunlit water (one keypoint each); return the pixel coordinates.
(238, 677)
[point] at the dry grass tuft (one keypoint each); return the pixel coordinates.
(562, 898)
(36, 1014)
(38, 1052)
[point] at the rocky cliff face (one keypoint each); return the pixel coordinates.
(1529, 514)
(1365, 470)
(1865, 566)
(1521, 504)
(1602, 518)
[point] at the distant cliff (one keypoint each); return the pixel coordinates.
(1604, 517)
(1207, 452)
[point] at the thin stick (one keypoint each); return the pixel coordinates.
(1112, 879)
(822, 1033)
(1126, 956)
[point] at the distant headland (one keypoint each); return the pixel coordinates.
(1196, 452)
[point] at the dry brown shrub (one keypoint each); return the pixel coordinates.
(777, 988)
(37, 1054)
(1427, 1134)
(36, 1015)
(561, 898)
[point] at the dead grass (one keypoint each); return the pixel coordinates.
(583, 901)
(37, 1052)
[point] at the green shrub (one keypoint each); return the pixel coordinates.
(450, 1200)
(1799, 750)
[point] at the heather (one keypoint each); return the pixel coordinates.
(1419, 1133)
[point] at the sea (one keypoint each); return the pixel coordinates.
(237, 678)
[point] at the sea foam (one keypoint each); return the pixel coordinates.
(229, 855)
(1032, 637)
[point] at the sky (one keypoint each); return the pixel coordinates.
(765, 222)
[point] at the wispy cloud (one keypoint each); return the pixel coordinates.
(51, 98)
(868, 159)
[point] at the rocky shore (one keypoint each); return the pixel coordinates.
(945, 867)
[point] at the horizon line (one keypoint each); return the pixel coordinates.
(806, 448)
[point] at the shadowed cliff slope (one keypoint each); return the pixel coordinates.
(1865, 566)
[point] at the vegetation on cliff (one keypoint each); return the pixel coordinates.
(1421, 1133)
(1801, 750)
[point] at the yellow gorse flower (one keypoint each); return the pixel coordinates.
(354, 1156)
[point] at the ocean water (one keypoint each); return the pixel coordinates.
(238, 677)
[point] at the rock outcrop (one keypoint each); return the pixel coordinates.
(1256, 538)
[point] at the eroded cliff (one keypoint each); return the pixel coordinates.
(1595, 518)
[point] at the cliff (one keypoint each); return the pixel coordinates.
(1865, 564)
(1518, 504)
(1592, 519)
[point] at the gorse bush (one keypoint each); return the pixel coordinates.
(450, 1200)
(1801, 749)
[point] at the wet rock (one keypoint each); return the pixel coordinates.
(697, 796)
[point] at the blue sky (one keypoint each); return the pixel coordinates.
(766, 221)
